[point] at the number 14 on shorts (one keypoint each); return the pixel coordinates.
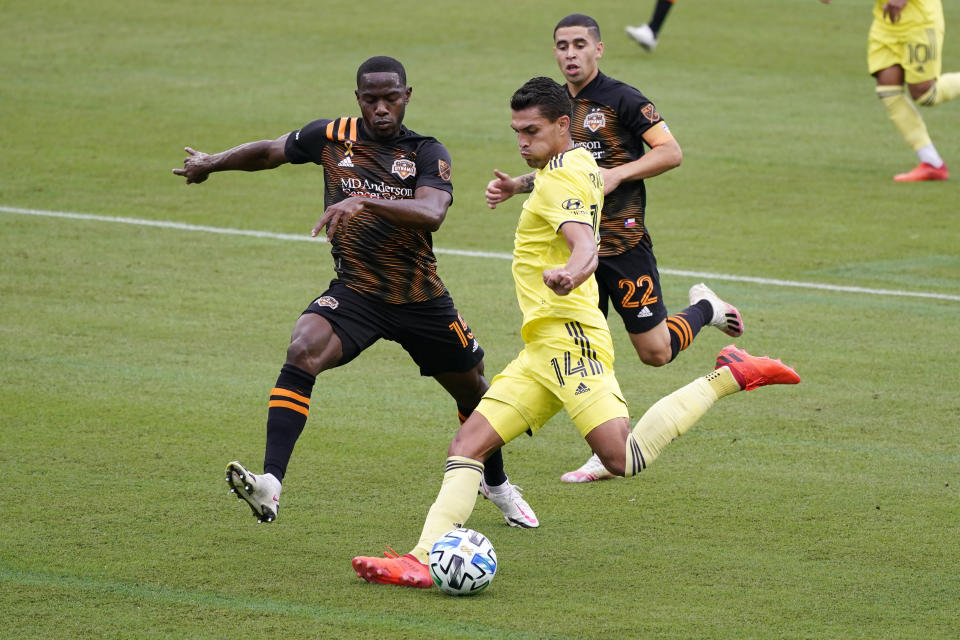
(574, 365)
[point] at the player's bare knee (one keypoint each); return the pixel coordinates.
(464, 446)
(654, 358)
(310, 356)
(923, 93)
(466, 388)
(298, 354)
(477, 384)
(614, 464)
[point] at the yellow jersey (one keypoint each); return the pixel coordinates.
(917, 13)
(568, 189)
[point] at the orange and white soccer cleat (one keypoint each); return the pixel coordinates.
(403, 571)
(755, 371)
(922, 172)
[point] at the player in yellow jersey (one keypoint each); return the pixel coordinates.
(631, 143)
(905, 46)
(567, 360)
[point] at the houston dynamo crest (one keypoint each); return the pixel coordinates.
(404, 168)
(595, 120)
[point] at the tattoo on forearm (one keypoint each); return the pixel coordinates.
(526, 184)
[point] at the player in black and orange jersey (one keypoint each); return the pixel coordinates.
(387, 189)
(614, 121)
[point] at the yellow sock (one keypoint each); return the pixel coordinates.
(454, 504)
(672, 416)
(904, 115)
(946, 88)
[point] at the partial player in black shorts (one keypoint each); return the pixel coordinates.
(632, 283)
(432, 332)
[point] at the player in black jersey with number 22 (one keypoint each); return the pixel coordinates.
(386, 189)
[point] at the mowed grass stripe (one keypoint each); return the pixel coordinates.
(476, 254)
(236, 602)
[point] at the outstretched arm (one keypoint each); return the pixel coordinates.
(426, 210)
(251, 156)
(503, 186)
(581, 263)
(664, 154)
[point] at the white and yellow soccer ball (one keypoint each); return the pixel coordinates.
(463, 562)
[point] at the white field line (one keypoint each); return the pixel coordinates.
(705, 275)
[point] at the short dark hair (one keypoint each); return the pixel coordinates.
(382, 64)
(579, 20)
(545, 93)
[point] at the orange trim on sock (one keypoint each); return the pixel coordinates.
(289, 405)
(681, 328)
(277, 391)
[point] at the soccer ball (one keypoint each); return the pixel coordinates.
(462, 562)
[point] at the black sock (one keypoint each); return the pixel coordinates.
(685, 326)
(286, 417)
(659, 15)
(493, 473)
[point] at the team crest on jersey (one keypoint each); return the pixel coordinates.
(443, 168)
(327, 301)
(595, 120)
(650, 113)
(404, 168)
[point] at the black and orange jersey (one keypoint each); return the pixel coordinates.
(371, 255)
(609, 119)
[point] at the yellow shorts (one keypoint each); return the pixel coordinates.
(563, 365)
(917, 50)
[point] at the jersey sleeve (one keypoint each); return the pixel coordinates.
(563, 198)
(434, 167)
(306, 144)
(637, 113)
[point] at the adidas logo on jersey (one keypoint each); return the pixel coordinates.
(581, 388)
(346, 162)
(644, 313)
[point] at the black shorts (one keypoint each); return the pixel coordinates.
(432, 332)
(632, 281)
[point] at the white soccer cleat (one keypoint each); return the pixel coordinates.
(515, 509)
(591, 471)
(261, 492)
(725, 315)
(644, 36)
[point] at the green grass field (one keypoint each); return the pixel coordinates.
(136, 359)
